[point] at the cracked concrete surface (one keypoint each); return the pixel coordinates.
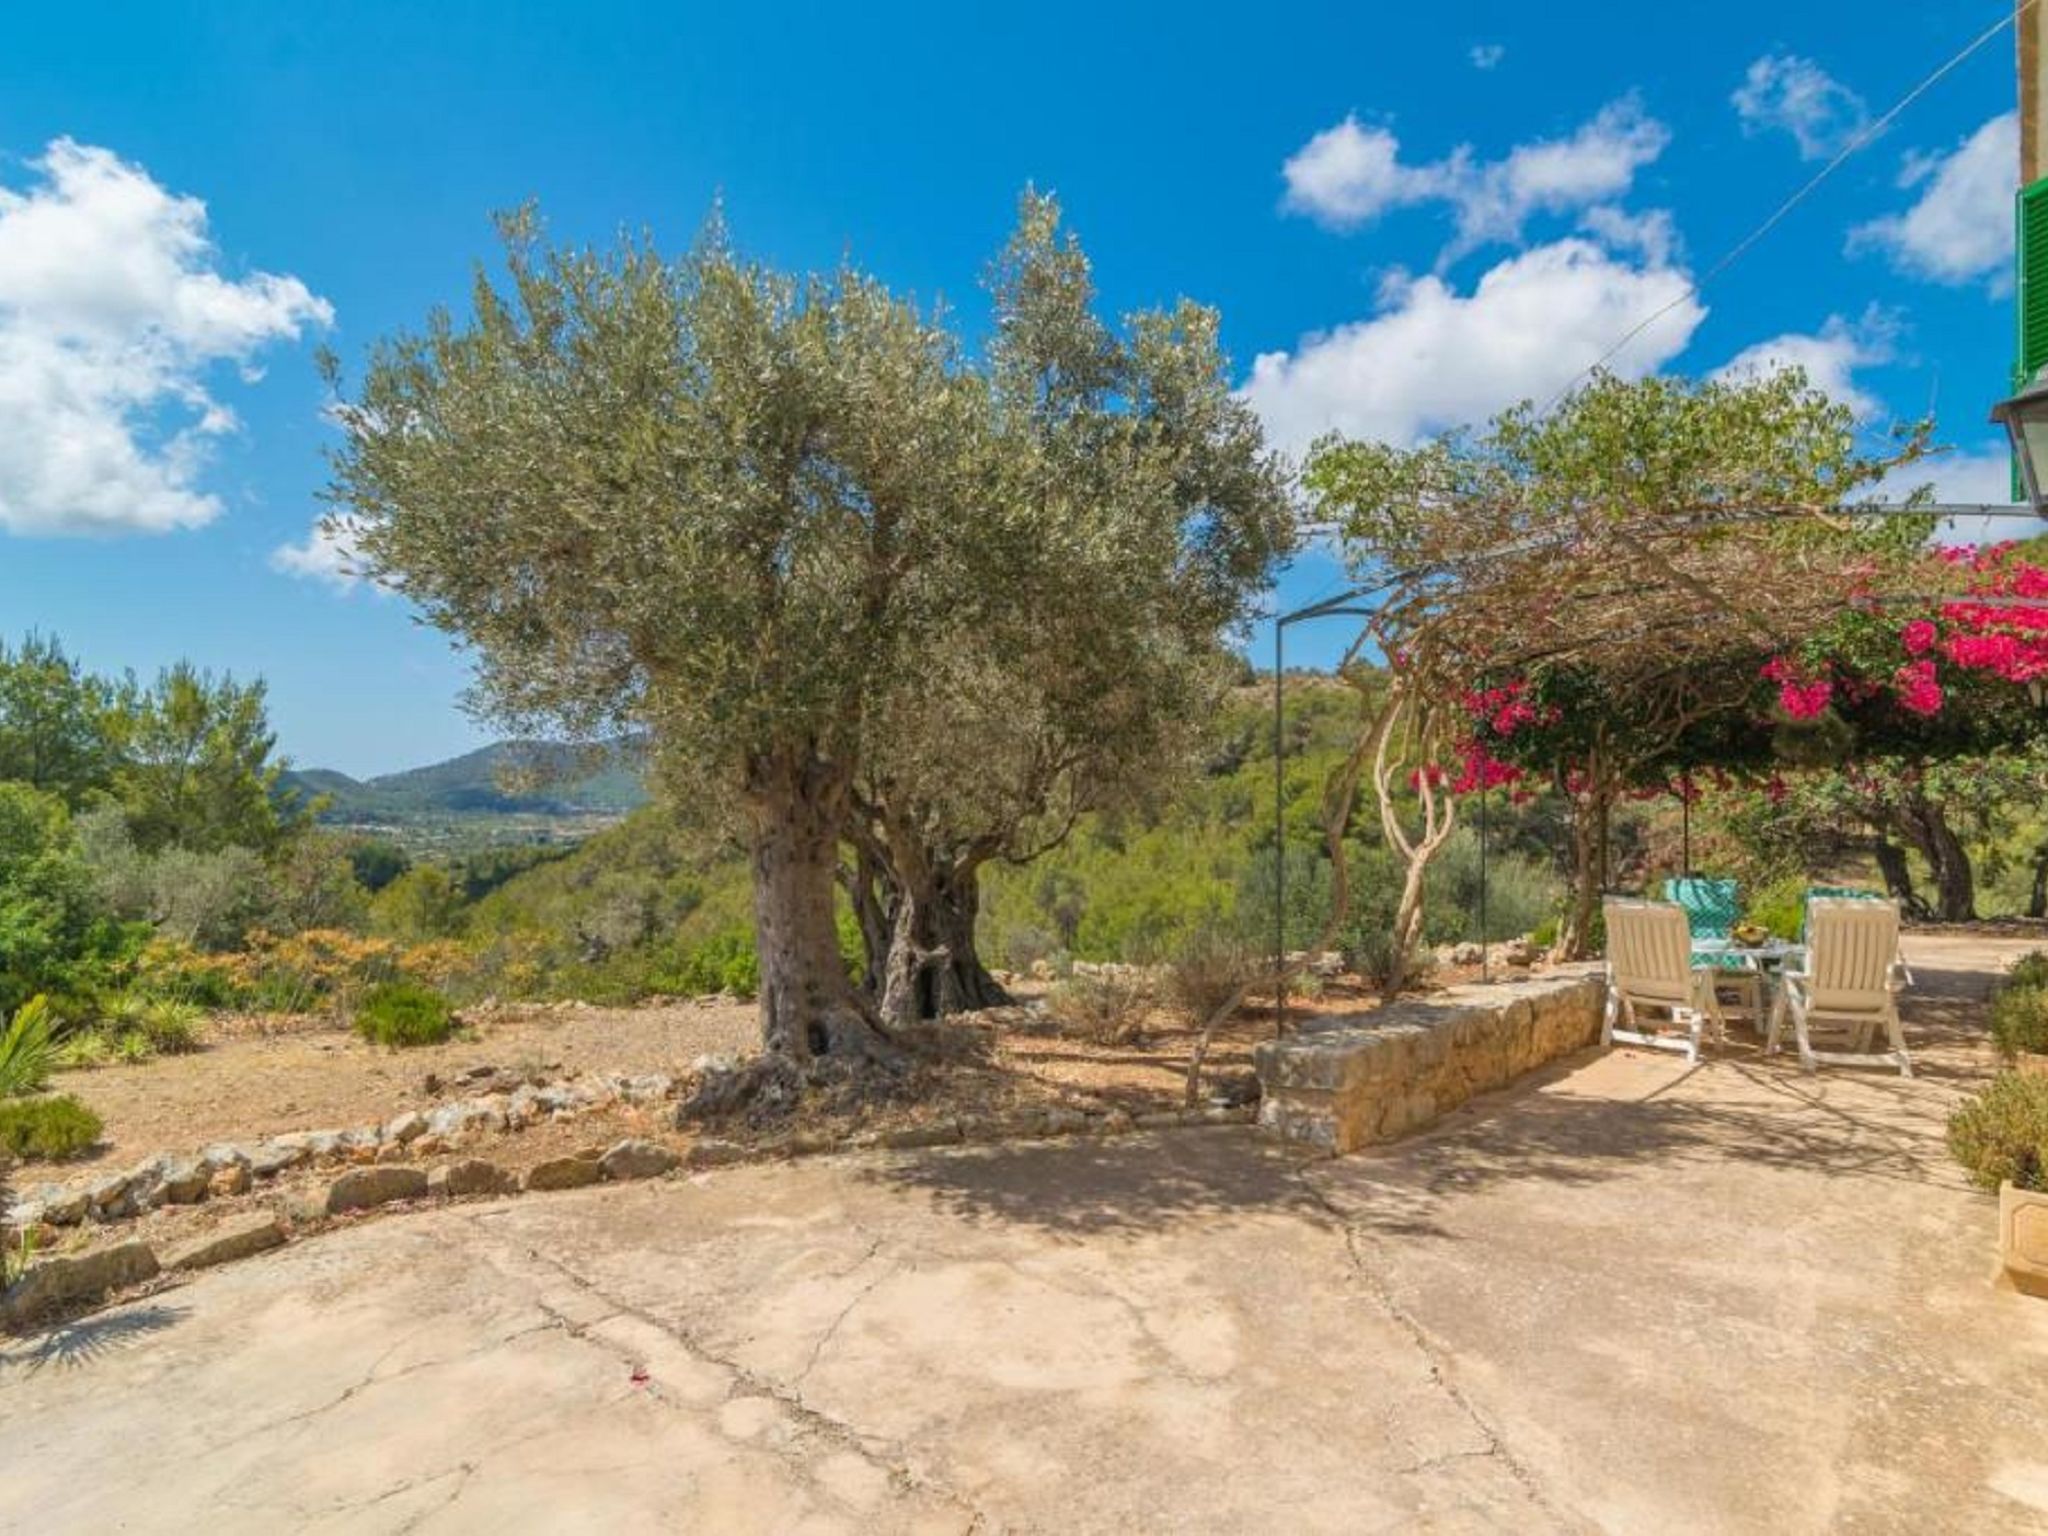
(1631, 1296)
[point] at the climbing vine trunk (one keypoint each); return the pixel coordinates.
(1925, 825)
(1591, 803)
(1898, 876)
(808, 1004)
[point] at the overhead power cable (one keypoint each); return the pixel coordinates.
(1778, 215)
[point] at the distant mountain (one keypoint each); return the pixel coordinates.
(510, 778)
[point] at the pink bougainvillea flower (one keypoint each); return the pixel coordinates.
(1805, 701)
(1919, 690)
(1918, 637)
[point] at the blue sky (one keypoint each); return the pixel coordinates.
(1408, 215)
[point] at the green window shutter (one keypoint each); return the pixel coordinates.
(2031, 349)
(2033, 280)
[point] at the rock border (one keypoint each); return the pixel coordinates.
(57, 1289)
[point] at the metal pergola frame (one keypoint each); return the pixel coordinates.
(1352, 603)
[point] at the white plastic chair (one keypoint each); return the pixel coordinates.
(1650, 972)
(1848, 987)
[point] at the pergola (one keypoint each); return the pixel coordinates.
(1580, 593)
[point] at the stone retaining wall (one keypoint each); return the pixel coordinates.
(1345, 1081)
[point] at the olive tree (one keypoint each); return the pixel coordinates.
(1147, 513)
(857, 584)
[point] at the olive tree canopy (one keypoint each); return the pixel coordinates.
(852, 579)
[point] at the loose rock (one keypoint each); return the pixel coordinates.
(360, 1188)
(473, 1176)
(234, 1179)
(185, 1182)
(236, 1240)
(84, 1277)
(636, 1159)
(563, 1173)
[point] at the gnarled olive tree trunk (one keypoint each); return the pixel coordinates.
(917, 909)
(809, 1007)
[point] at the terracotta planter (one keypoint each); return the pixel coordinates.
(2023, 1237)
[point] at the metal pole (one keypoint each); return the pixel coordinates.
(1279, 829)
(1685, 823)
(1485, 953)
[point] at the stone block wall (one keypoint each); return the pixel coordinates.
(1345, 1081)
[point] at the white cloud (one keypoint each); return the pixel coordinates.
(1651, 234)
(1796, 95)
(1351, 174)
(112, 315)
(1830, 357)
(1487, 55)
(327, 554)
(1960, 230)
(1963, 477)
(1435, 358)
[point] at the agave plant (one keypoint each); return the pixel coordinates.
(25, 1049)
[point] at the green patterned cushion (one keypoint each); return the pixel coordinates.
(1710, 905)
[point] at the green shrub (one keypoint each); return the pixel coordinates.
(50, 1129)
(1104, 1007)
(1544, 934)
(728, 962)
(82, 1050)
(401, 1013)
(170, 1026)
(132, 1048)
(1781, 908)
(2030, 970)
(1209, 966)
(2002, 1134)
(26, 1054)
(2019, 1020)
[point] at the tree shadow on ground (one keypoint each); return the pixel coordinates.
(73, 1346)
(1127, 1184)
(1738, 1107)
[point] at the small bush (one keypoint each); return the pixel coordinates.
(1369, 955)
(401, 1013)
(26, 1056)
(1208, 967)
(2002, 1134)
(171, 1027)
(727, 963)
(1544, 934)
(2019, 1020)
(48, 1129)
(1103, 1007)
(2029, 971)
(82, 1050)
(1781, 908)
(132, 1048)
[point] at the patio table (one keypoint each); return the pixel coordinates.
(1750, 969)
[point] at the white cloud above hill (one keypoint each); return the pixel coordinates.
(1352, 173)
(1960, 228)
(113, 314)
(1435, 357)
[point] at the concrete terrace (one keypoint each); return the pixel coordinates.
(1625, 1295)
